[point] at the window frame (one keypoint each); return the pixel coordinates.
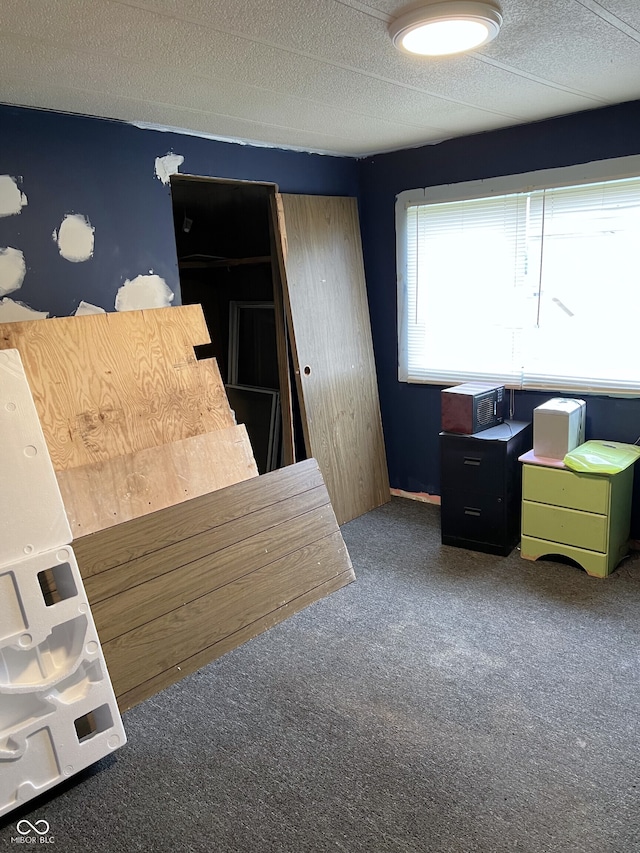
(575, 175)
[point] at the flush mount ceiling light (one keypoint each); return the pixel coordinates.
(446, 27)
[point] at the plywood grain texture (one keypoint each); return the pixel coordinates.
(197, 579)
(326, 302)
(106, 385)
(105, 494)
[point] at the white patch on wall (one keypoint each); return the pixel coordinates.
(12, 270)
(12, 200)
(15, 312)
(145, 291)
(87, 308)
(167, 166)
(75, 238)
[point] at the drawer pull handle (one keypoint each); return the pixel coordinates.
(471, 460)
(471, 510)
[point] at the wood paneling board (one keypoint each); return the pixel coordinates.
(109, 384)
(136, 606)
(326, 301)
(134, 539)
(104, 494)
(200, 547)
(169, 676)
(156, 646)
(248, 556)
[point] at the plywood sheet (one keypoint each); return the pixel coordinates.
(32, 514)
(329, 324)
(110, 384)
(107, 493)
(289, 454)
(197, 585)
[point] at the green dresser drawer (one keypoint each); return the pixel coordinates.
(568, 526)
(594, 563)
(566, 489)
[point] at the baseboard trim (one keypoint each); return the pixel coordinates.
(417, 496)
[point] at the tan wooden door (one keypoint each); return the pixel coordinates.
(330, 334)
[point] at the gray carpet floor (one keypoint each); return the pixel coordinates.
(447, 701)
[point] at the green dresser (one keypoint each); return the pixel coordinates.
(582, 516)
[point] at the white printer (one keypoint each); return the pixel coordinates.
(558, 427)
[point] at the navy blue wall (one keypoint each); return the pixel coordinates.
(411, 413)
(105, 170)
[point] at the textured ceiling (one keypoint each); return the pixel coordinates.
(320, 75)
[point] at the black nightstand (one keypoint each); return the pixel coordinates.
(481, 487)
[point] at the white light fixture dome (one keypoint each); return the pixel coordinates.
(445, 27)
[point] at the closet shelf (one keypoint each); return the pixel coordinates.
(208, 263)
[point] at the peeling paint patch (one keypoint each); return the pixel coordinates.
(145, 291)
(167, 166)
(12, 200)
(75, 238)
(87, 308)
(12, 270)
(15, 312)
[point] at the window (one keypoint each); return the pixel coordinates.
(531, 280)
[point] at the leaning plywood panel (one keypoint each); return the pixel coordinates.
(329, 324)
(107, 493)
(109, 384)
(32, 514)
(186, 589)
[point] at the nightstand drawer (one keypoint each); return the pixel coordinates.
(566, 489)
(568, 526)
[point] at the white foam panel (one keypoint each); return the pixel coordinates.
(32, 514)
(58, 711)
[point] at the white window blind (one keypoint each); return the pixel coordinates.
(536, 289)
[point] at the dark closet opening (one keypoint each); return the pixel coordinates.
(228, 263)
